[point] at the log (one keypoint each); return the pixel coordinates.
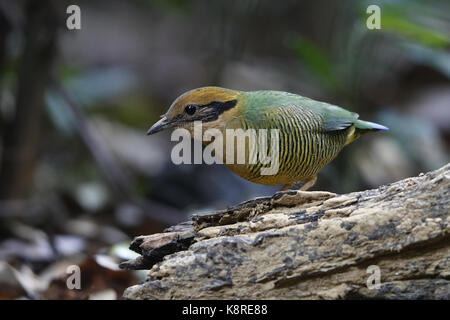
(387, 243)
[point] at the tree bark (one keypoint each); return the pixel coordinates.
(308, 245)
(21, 135)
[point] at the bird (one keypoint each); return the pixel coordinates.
(310, 133)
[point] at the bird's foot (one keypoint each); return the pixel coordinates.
(303, 186)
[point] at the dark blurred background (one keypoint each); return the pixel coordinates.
(78, 175)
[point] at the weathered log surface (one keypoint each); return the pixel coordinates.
(308, 245)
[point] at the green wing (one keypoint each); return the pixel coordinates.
(333, 117)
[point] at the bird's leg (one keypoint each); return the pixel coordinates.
(299, 185)
(308, 184)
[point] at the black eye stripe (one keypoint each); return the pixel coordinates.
(220, 106)
(208, 112)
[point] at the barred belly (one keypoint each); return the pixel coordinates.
(304, 148)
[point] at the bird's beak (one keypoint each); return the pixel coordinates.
(162, 124)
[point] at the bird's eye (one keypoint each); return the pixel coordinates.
(190, 109)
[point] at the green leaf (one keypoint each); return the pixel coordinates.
(398, 23)
(314, 59)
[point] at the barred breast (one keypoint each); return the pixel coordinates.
(304, 148)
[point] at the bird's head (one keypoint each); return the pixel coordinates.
(207, 105)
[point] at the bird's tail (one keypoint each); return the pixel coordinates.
(360, 127)
(366, 125)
